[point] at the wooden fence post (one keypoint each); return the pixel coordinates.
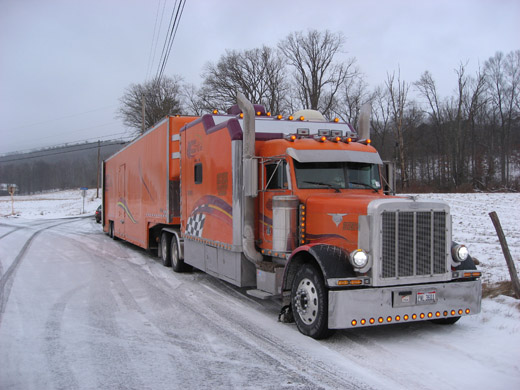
(507, 254)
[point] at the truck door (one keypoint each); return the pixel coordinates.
(275, 182)
(121, 201)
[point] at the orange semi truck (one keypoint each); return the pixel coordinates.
(293, 208)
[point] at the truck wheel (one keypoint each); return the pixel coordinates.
(309, 303)
(446, 321)
(177, 263)
(165, 249)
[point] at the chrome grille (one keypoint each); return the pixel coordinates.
(413, 243)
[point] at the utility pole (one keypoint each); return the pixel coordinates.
(98, 166)
(143, 109)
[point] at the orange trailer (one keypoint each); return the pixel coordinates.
(293, 208)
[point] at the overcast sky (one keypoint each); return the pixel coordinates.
(65, 64)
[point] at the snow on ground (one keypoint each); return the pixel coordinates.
(473, 227)
(50, 205)
(479, 352)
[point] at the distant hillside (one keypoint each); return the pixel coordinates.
(60, 168)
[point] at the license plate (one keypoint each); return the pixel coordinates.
(426, 297)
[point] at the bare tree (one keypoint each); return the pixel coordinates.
(354, 93)
(160, 97)
(318, 77)
(503, 86)
(398, 94)
(257, 73)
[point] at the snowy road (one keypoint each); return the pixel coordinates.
(80, 311)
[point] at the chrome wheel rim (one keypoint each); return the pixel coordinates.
(306, 301)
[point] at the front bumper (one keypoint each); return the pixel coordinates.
(385, 305)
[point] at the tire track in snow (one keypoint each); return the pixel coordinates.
(6, 280)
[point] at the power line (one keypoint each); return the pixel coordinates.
(62, 117)
(77, 142)
(177, 10)
(66, 151)
(155, 38)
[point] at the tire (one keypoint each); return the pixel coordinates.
(309, 302)
(111, 231)
(177, 263)
(165, 249)
(446, 321)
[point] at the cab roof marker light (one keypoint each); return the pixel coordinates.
(268, 113)
(347, 140)
(279, 117)
(215, 112)
(290, 117)
(336, 120)
(366, 141)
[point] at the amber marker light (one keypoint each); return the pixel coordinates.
(389, 319)
(215, 112)
(290, 117)
(467, 311)
(268, 114)
(405, 317)
(369, 141)
(380, 320)
(279, 117)
(414, 316)
(422, 315)
(398, 318)
(363, 321)
(354, 322)
(372, 320)
(453, 312)
(438, 314)
(460, 312)
(336, 120)
(323, 138)
(302, 118)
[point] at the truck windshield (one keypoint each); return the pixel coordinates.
(337, 175)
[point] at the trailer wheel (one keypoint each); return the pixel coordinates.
(111, 232)
(177, 263)
(446, 321)
(165, 249)
(309, 302)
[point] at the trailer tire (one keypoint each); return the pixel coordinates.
(165, 249)
(177, 263)
(111, 232)
(309, 303)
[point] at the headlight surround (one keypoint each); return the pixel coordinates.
(358, 258)
(459, 253)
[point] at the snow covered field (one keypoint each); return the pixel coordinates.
(104, 313)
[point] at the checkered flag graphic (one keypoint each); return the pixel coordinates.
(195, 225)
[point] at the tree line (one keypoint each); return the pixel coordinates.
(467, 141)
(57, 168)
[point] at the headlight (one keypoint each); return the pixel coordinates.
(358, 258)
(460, 253)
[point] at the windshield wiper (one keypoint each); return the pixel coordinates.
(363, 184)
(319, 183)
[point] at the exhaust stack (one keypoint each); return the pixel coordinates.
(249, 179)
(363, 126)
